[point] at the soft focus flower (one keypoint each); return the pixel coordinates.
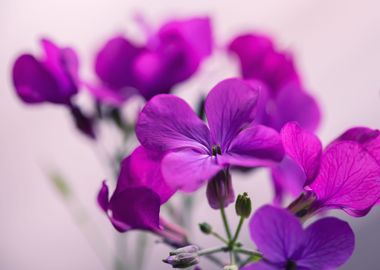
(194, 153)
(169, 56)
(283, 96)
(140, 191)
(345, 176)
(326, 244)
(51, 78)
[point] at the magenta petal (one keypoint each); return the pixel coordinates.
(277, 233)
(260, 266)
(230, 107)
(33, 82)
(304, 148)
(329, 243)
(294, 104)
(103, 197)
(135, 208)
(114, 62)
(188, 170)
(143, 168)
(254, 146)
(349, 178)
(167, 122)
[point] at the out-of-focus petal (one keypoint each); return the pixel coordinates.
(114, 62)
(187, 170)
(262, 265)
(329, 243)
(135, 208)
(33, 82)
(103, 197)
(287, 177)
(277, 233)
(349, 178)
(254, 146)
(143, 168)
(230, 107)
(292, 103)
(167, 122)
(304, 148)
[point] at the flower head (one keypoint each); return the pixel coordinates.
(140, 190)
(194, 152)
(50, 78)
(283, 96)
(170, 55)
(326, 244)
(346, 175)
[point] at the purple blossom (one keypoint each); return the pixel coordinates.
(326, 244)
(283, 96)
(170, 55)
(51, 78)
(346, 175)
(140, 190)
(194, 152)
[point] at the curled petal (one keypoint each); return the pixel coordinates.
(349, 178)
(304, 148)
(167, 122)
(329, 242)
(230, 107)
(188, 170)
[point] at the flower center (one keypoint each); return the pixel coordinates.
(291, 266)
(216, 150)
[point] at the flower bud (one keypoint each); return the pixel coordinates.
(186, 249)
(182, 260)
(219, 190)
(205, 228)
(243, 205)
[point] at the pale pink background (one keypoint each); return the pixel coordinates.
(337, 46)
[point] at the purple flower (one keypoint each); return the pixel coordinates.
(283, 96)
(50, 78)
(194, 152)
(326, 244)
(346, 175)
(170, 56)
(140, 191)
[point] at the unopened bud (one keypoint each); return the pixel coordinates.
(182, 260)
(243, 205)
(186, 249)
(219, 190)
(205, 228)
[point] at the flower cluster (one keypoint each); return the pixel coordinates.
(262, 118)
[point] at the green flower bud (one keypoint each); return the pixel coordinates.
(205, 228)
(243, 205)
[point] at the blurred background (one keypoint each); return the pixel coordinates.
(336, 45)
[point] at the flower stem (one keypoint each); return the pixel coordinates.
(225, 222)
(233, 241)
(209, 251)
(218, 236)
(247, 252)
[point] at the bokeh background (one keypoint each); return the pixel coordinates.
(337, 48)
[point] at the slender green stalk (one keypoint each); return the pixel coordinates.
(218, 236)
(225, 222)
(209, 251)
(247, 252)
(233, 241)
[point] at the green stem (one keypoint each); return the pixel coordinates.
(225, 222)
(237, 232)
(219, 237)
(247, 252)
(209, 251)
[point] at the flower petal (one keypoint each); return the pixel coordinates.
(277, 233)
(329, 243)
(254, 146)
(261, 265)
(304, 148)
(230, 107)
(135, 208)
(188, 170)
(114, 62)
(349, 178)
(33, 82)
(167, 122)
(103, 197)
(143, 168)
